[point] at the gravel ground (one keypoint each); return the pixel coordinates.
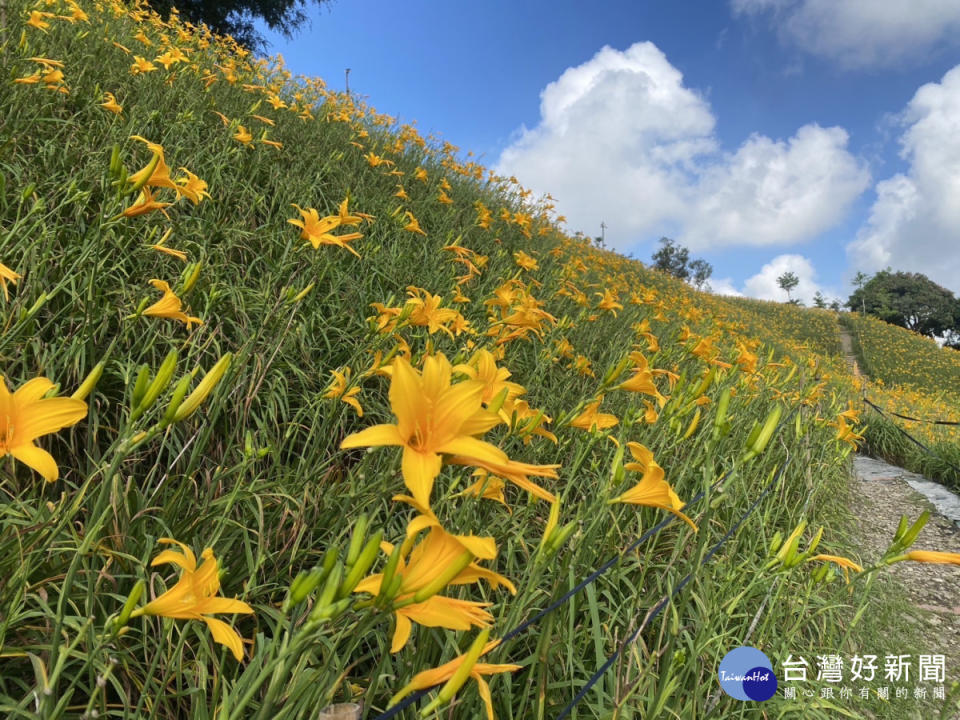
(881, 495)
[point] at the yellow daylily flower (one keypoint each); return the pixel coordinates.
(652, 490)
(413, 225)
(159, 176)
(591, 419)
(169, 306)
(934, 556)
(194, 597)
(441, 674)
(433, 417)
(141, 65)
(317, 230)
(111, 104)
(145, 203)
(7, 275)
(161, 246)
(37, 19)
(488, 487)
(191, 187)
(525, 261)
(243, 135)
(338, 389)
(846, 563)
(438, 553)
(26, 415)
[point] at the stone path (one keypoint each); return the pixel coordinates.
(881, 494)
(846, 343)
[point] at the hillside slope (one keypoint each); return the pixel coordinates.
(320, 403)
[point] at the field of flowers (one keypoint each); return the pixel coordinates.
(299, 408)
(894, 356)
(795, 328)
(914, 381)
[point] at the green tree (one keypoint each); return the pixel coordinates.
(910, 300)
(819, 300)
(675, 259)
(235, 17)
(701, 271)
(672, 258)
(788, 281)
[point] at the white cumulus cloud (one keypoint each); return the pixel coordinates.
(914, 224)
(861, 33)
(622, 140)
(616, 139)
(775, 192)
(724, 286)
(764, 284)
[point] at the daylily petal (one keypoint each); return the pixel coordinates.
(38, 459)
(375, 436)
(226, 635)
(46, 416)
(419, 472)
(401, 634)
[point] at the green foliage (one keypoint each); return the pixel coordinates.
(787, 282)
(236, 17)
(788, 326)
(895, 356)
(674, 260)
(256, 471)
(910, 300)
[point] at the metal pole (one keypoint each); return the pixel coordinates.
(347, 76)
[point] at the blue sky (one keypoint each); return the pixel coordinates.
(759, 132)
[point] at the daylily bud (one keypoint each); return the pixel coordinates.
(459, 677)
(720, 420)
(328, 612)
(552, 520)
(560, 536)
(140, 386)
(159, 384)
(147, 172)
(444, 578)
(387, 595)
(202, 390)
(390, 572)
(760, 443)
(617, 471)
(809, 551)
(356, 540)
(89, 383)
(498, 401)
(115, 161)
(616, 371)
(302, 585)
(132, 599)
(693, 424)
(911, 535)
(35, 308)
(775, 542)
(190, 275)
(901, 528)
(303, 293)
(176, 400)
(706, 383)
(364, 561)
(329, 591)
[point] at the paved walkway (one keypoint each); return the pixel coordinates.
(881, 494)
